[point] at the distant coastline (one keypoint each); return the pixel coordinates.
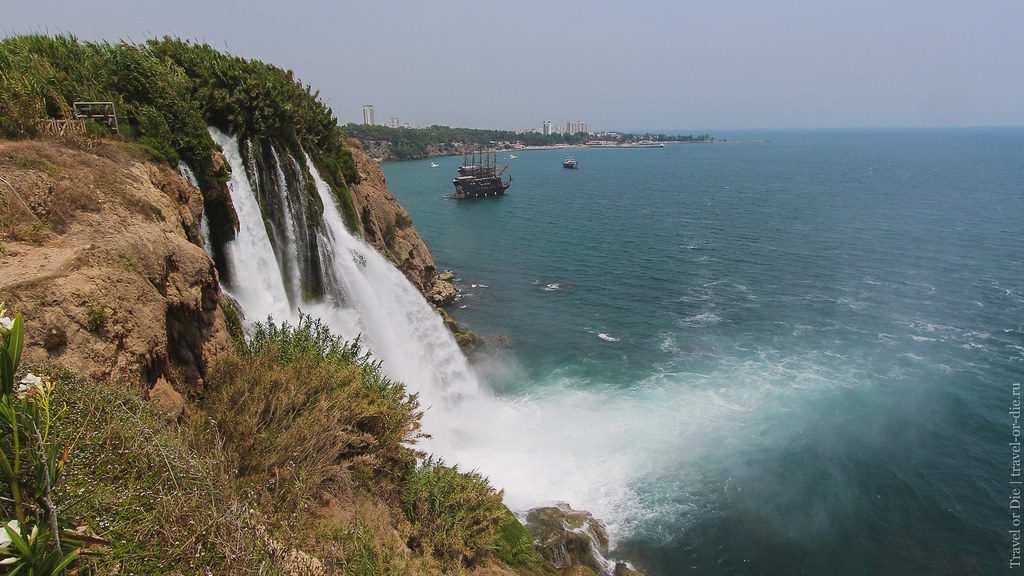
(381, 152)
(385, 143)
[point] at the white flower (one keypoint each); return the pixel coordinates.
(31, 387)
(6, 324)
(5, 538)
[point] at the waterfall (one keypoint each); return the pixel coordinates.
(364, 295)
(257, 283)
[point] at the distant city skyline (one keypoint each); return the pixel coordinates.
(647, 65)
(546, 126)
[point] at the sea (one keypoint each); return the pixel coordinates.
(792, 352)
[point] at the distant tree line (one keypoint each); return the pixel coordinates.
(407, 143)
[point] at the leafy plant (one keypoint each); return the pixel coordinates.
(131, 263)
(95, 317)
(31, 463)
(303, 404)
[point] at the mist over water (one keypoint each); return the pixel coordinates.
(773, 358)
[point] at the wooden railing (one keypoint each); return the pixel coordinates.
(99, 112)
(61, 128)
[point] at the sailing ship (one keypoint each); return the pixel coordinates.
(570, 161)
(480, 176)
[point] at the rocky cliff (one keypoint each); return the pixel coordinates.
(388, 227)
(104, 257)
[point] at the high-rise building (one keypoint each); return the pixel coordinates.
(547, 128)
(394, 122)
(368, 114)
(578, 126)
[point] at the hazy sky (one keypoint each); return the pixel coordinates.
(638, 65)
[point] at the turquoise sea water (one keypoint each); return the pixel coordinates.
(788, 357)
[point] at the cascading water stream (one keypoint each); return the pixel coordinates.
(256, 279)
(365, 296)
(396, 322)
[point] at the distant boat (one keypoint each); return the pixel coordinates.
(512, 156)
(479, 176)
(570, 161)
(434, 165)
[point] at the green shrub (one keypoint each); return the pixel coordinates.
(95, 317)
(455, 516)
(302, 405)
(363, 554)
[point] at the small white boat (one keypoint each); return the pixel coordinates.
(434, 165)
(512, 156)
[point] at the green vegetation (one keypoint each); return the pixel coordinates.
(455, 516)
(160, 505)
(294, 380)
(95, 317)
(165, 93)
(131, 261)
(409, 143)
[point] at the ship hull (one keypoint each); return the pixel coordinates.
(469, 187)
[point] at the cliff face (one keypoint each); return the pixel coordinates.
(388, 227)
(382, 150)
(103, 256)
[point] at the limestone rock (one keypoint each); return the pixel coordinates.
(168, 402)
(108, 267)
(441, 292)
(567, 537)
